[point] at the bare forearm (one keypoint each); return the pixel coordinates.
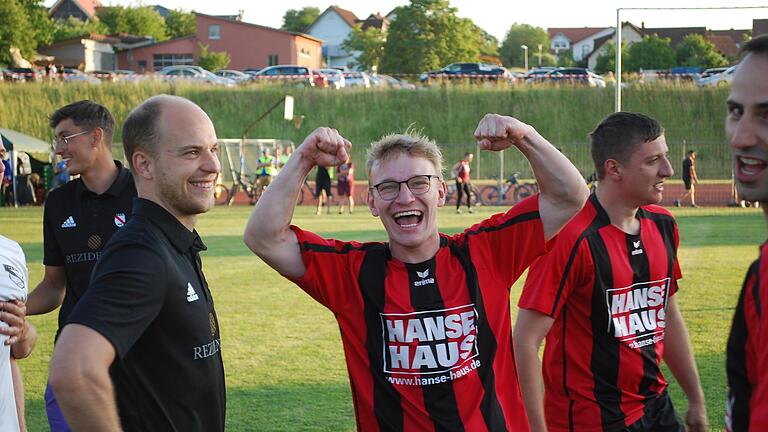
(88, 405)
(558, 179)
(272, 215)
(531, 384)
(23, 347)
(678, 355)
(45, 298)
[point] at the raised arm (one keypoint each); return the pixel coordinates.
(79, 376)
(268, 233)
(563, 191)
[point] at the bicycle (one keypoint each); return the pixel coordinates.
(512, 190)
(224, 195)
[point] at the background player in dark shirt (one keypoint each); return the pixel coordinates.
(603, 297)
(746, 126)
(133, 340)
(422, 277)
(690, 179)
(80, 216)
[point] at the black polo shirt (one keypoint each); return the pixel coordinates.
(77, 224)
(149, 298)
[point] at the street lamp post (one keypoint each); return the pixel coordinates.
(525, 48)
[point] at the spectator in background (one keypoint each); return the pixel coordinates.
(265, 171)
(461, 172)
(6, 185)
(689, 179)
(345, 186)
(60, 172)
(323, 188)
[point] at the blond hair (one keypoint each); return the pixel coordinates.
(410, 142)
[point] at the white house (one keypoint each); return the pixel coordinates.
(629, 35)
(580, 40)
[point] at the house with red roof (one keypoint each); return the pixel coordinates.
(333, 26)
(80, 9)
(580, 40)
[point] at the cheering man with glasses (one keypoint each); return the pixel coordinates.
(80, 216)
(424, 317)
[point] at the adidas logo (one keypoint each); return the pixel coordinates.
(69, 223)
(191, 294)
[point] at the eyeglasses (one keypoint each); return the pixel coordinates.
(418, 185)
(65, 140)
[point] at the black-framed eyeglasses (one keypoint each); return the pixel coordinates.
(418, 185)
(65, 140)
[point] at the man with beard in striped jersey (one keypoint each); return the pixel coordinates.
(424, 317)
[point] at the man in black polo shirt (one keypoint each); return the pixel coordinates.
(141, 349)
(80, 216)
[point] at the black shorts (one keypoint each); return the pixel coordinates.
(687, 183)
(323, 185)
(659, 416)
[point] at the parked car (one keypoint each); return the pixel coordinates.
(569, 75)
(251, 71)
(286, 74)
(470, 71)
(75, 75)
(723, 78)
(381, 80)
(357, 79)
(712, 71)
(104, 75)
(321, 80)
(193, 74)
(127, 75)
(236, 76)
(335, 78)
(28, 74)
(10, 76)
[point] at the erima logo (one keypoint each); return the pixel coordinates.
(423, 274)
(69, 223)
(191, 294)
(636, 244)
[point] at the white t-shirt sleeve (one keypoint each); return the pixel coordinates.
(14, 282)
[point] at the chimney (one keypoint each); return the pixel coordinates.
(642, 25)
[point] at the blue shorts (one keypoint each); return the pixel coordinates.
(56, 419)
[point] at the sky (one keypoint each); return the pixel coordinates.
(496, 16)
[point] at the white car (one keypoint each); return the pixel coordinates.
(235, 75)
(723, 78)
(335, 78)
(193, 74)
(357, 79)
(75, 75)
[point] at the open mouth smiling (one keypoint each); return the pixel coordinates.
(408, 218)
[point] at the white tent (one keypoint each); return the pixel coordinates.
(16, 141)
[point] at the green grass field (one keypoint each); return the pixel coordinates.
(282, 351)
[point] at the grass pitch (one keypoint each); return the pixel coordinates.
(282, 351)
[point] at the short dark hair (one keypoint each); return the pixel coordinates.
(690, 152)
(141, 128)
(88, 114)
(756, 45)
(618, 135)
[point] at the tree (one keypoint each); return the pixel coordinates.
(179, 23)
(652, 52)
(426, 35)
(606, 61)
(369, 43)
(73, 27)
(297, 20)
(212, 61)
(24, 25)
(522, 34)
(488, 44)
(696, 51)
(141, 21)
(565, 58)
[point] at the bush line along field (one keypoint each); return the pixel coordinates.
(282, 352)
(564, 115)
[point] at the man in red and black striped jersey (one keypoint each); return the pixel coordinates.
(424, 317)
(747, 130)
(604, 299)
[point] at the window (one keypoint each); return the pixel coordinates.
(160, 61)
(272, 60)
(214, 31)
(142, 63)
